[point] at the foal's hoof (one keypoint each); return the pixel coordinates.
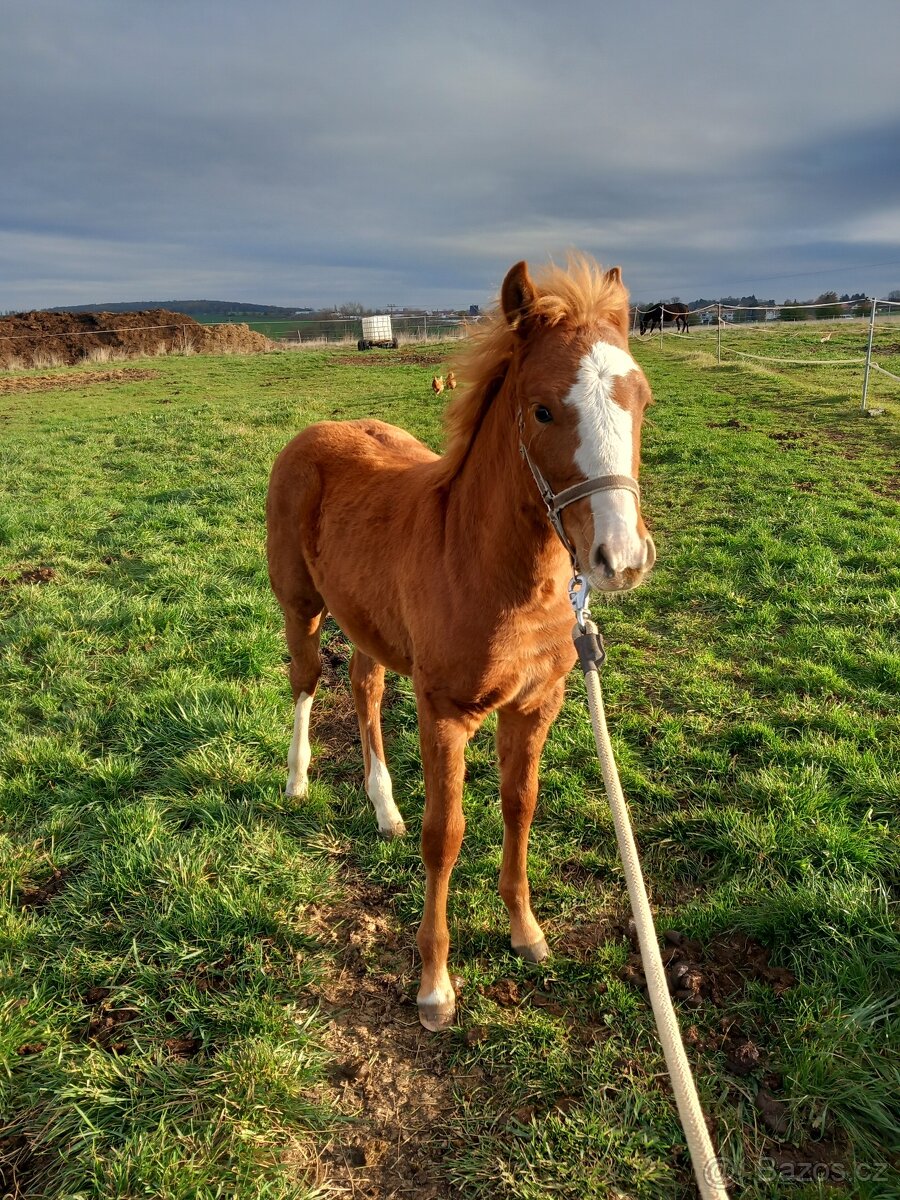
(536, 952)
(397, 830)
(437, 1017)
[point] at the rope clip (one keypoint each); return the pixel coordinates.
(579, 592)
(586, 635)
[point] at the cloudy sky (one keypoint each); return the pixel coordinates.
(297, 152)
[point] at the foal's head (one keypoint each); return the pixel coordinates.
(581, 400)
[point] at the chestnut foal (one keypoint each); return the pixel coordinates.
(448, 570)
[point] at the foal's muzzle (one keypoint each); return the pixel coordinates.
(611, 571)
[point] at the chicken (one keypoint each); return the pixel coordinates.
(451, 380)
(437, 384)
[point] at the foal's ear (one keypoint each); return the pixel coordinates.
(517, 294)
(620, 315)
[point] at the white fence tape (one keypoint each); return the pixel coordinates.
(18, 337)
(890, 374)
(799, 362)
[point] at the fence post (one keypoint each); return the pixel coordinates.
(869, 354)
(634, 322)
(662, 321)
(719, 332)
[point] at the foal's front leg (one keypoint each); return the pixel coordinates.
(443, 740)
(520, 739)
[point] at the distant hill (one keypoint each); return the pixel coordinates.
(194, 308)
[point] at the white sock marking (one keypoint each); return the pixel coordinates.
(380, 791)
(299, 753)
(442, 994)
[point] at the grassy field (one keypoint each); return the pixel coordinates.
(208, 989)
(831, 352)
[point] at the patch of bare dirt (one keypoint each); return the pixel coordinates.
(890, 487)
(18, 1166)
(580, 941)
(699, 975)
(182, 1047)
(30, 575)
(40, 897)
(389, 1076)
(36, 338)
(406, 358)
(731, 423)
(504, 992)
(50, 383)
(333, 721)
(823, 1161)
(109, 1027)
(787, 437)
(841, 439)
(206, 977)
(114, 1027)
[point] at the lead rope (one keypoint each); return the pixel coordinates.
(707, 1167)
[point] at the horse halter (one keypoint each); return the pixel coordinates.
(556, 501)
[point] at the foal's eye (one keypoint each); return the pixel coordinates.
(542, 414)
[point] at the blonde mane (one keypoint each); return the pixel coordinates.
(581, 293)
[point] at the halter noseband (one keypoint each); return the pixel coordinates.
(557, 501)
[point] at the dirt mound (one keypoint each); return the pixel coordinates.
(228, 339)
(39, 339)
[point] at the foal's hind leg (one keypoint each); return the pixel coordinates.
(367, 680)
(302, 631)
(520, 739)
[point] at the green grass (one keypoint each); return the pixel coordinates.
(832, 352)
(751, 689)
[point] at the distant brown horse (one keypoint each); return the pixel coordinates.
(653, 317)
(448, 570)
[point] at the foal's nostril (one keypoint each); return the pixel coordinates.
(601, 560)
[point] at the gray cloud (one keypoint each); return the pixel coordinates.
(400, 153)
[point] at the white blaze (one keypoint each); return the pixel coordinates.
(606, 447)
